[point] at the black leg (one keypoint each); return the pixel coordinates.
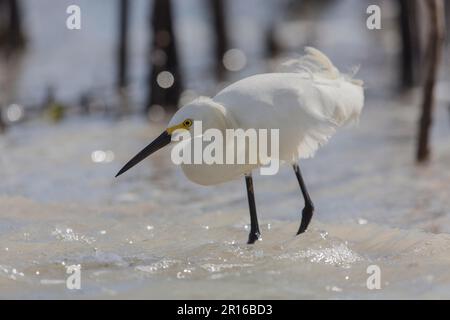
(254, 227)
(308, 210)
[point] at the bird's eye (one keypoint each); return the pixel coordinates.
(187, 123)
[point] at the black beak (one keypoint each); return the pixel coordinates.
(162, 141)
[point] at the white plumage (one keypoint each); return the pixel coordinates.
(307, 101)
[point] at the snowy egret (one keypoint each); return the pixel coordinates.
(307, 100)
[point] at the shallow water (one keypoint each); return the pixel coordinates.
(153, 234)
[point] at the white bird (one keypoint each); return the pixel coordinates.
(306, 101)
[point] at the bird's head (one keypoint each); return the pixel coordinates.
(202, 110)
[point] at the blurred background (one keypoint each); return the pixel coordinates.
(135, 56)
(76, 104)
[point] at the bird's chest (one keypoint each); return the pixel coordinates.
(208, 160)
(212, 174)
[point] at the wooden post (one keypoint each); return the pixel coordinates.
(122, 56)
(271, 46)
(163, 57)
(11, 33)
(12, 40)
(409, 58)
(123, 44)
(2, 122)
(221, 40)
(436, 36)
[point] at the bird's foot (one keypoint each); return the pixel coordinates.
(307, 214)
(253, 237)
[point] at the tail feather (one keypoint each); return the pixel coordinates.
(316, 63)
(321, 61)
(338, 100)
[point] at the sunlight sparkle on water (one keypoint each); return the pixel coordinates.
(165, 79)
(156, 113)
(100, 156)
(14, 112)
(234, 60)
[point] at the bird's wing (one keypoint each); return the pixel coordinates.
(306, 102)
(306, 111)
